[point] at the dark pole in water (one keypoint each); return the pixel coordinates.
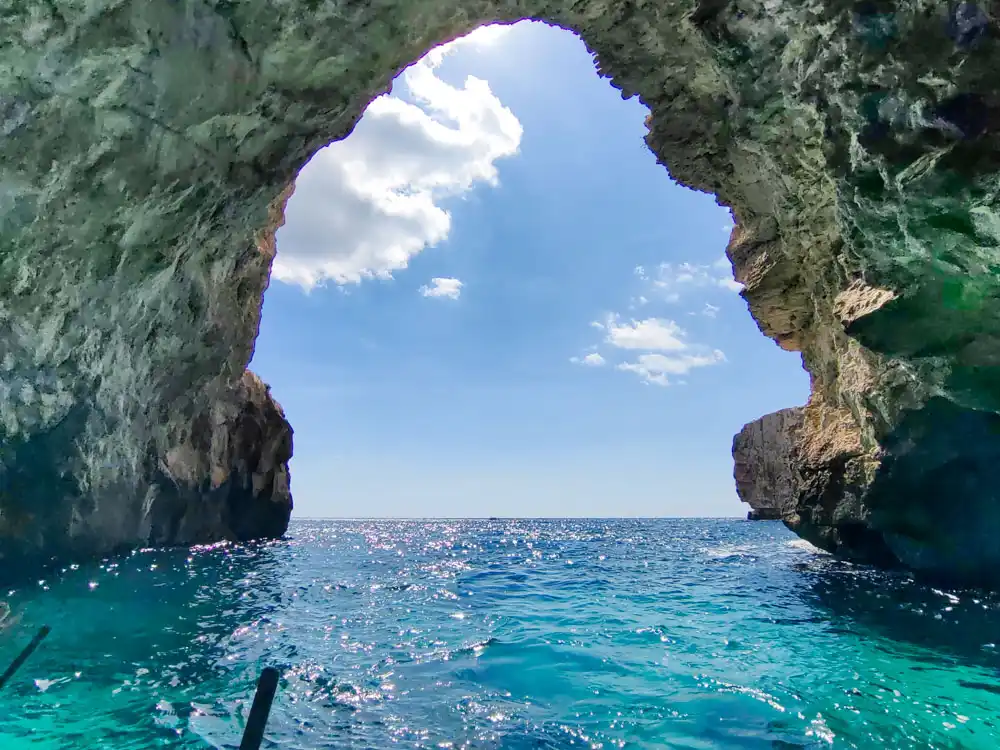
(23, 656)
(253, 735)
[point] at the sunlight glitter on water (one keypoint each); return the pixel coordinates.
(692, 634)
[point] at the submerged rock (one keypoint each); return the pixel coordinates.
(147, 149)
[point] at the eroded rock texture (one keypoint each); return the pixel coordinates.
(765, 466)
(226, 477)
(146, 151)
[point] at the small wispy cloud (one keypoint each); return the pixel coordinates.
(442, 287)
(666, 350)
(590, 360)
(673, 281)
(654, 369)
(650, 334)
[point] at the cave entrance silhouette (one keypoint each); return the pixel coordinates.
(149, 151)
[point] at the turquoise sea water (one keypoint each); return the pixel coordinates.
(504, 634)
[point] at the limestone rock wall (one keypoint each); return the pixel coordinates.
(765, 466)
(227, 477)
(146, 150)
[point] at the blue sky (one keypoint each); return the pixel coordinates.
(491, 301)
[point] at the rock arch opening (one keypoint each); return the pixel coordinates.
(575, 345)
(147, 153)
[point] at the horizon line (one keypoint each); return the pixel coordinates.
(517, 518)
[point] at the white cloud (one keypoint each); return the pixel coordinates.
(710, 311)
(654, 368)
(665, 349)
(654, 334)
(673, 280)
(365, 205)
(483, 38)
(593, 359)
(442, 287)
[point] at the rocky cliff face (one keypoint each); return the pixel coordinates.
(765, 466)
(226, 477)
(146, 150)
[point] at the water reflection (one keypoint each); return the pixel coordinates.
(946, 626)
(133, 627)
(505, 635)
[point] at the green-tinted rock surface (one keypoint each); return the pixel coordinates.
(145, 152)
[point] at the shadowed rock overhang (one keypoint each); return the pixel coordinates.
(147, 150)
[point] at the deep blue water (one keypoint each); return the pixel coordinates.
(504, 634)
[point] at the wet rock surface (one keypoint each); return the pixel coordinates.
(146, 150)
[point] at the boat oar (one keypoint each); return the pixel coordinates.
(253, 735)
(23, 656)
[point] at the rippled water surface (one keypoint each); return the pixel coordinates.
(504, 634)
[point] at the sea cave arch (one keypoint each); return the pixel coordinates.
(149, 148)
